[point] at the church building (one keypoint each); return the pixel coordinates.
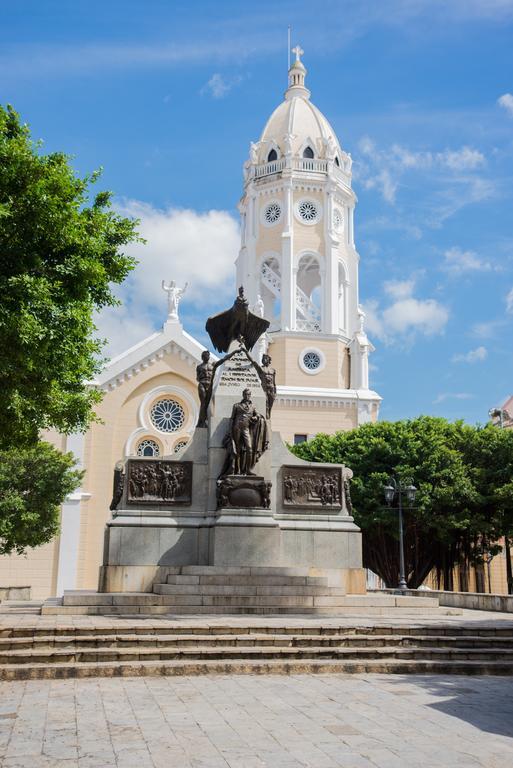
(298, 265)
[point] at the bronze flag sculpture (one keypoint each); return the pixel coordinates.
(234, 323)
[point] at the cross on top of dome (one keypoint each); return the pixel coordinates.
(298, 51)
(297, 74)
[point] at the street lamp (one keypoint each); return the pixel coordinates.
(392, 491)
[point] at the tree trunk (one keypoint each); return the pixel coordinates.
(509, 573)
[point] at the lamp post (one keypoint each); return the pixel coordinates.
(392, 491)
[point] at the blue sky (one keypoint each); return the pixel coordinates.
(166, 96)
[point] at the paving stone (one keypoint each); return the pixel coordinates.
(361, 721)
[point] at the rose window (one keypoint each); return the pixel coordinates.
(148, 448)
(311, 360)
(179, 445)
(272, 213)
(167, 415)
(308, 211)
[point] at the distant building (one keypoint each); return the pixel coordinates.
(502, 416)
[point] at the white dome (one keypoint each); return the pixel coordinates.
(300, 121)
(299, 118)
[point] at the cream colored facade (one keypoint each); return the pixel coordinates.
(299, 260)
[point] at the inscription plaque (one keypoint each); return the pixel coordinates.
(159, 482)
(312, 488)
(239, 372)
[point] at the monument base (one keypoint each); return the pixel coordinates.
(186, 583)
(257, 539)
(236, 498)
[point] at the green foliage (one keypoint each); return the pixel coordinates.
(465, 491)
(59, 255)
(33, 484)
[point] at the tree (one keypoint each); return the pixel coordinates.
(59, 255)
(465, 495)
(488, 451)
(33, 485)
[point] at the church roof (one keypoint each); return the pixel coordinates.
(171, 340)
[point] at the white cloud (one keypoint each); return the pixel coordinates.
(487, 329)
(428, 317)
(407, 316)
(460, 191)
(218, 86)
(182, 245)
(452, 396)
(464, 159)
(473, 356)
(399, 289)
(506, 102)
(384, 169)
(457, 261)
(509, 302)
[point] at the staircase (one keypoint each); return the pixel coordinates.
(238, 590)
(309, 315)
(139, 649)
(24, 607)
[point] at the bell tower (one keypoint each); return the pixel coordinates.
(298, 257)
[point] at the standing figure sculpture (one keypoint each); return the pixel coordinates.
(259, 307)
(247, 439)
(174, 296)
(204, 377)
(267, 376)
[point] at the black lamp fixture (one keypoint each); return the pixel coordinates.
(392, 491)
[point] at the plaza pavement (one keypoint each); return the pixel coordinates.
(326, 721)
(251, 721)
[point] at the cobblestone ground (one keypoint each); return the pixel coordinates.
(324, 721)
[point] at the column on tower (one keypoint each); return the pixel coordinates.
(288, 275)
(331, 323)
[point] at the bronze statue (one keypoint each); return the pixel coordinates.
(235, 323)
(267, 376)
(117, 485)
(347, 496)
(247, 439)
(204, 377)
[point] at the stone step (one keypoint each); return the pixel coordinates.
(215, 627)
(21, 606)
(237, 610)
(247, 580)
(126, 640)
(245, 666)
(246, 570)
(247, 590)
(84, 655)
(212, 596)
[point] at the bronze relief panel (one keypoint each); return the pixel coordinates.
(159, 482)
(312, 488)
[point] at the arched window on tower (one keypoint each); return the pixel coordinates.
(308, 294)
(273, 155)
(308, 153)
(342, 297)
(337, 161)
(270, 290)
